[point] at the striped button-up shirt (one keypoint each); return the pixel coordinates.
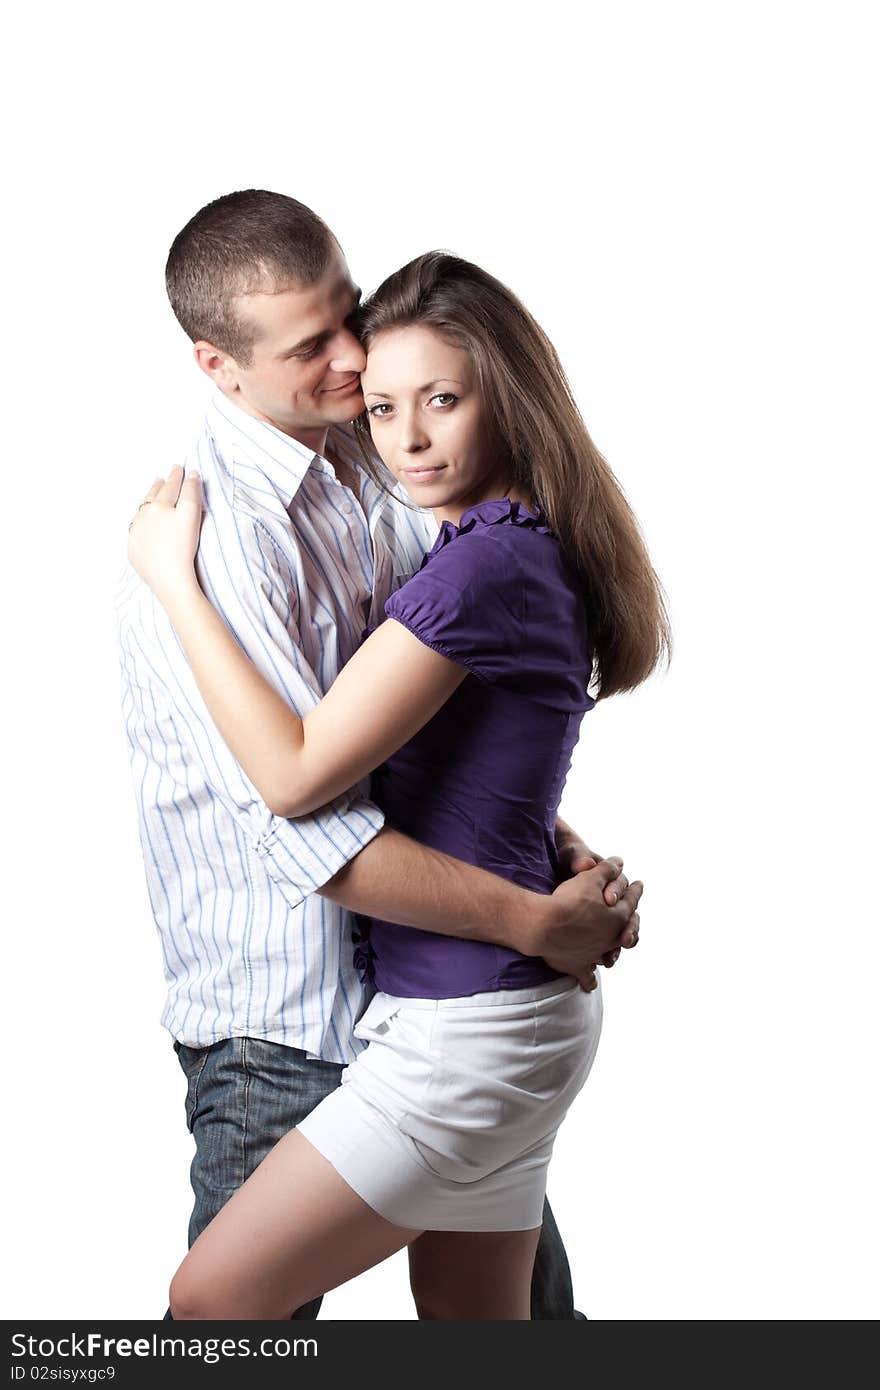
(298, 568)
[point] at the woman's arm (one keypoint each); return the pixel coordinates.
(391, 687)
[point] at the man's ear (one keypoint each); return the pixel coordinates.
(219, 366)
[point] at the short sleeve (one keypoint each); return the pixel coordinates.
(467, 603)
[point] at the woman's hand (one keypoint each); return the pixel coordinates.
(164, 535)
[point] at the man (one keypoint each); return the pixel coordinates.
(299, 551)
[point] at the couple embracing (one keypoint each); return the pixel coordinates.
(350, 732)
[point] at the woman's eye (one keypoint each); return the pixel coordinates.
(444, 398)
(379, 410)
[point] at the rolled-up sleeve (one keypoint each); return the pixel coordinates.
(301, 855)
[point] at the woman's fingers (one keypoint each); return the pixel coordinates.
(170, 489)
(191, 491)
(164, 534)
(151, 496)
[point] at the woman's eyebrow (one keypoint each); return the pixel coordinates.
(451, 380)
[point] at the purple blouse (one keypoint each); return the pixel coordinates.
(483, 779)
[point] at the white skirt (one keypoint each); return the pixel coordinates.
(446, 1121)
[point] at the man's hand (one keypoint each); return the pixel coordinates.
(578, 927)
(575, 856)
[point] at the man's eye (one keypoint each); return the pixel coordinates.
(379, 410)
(309, 352)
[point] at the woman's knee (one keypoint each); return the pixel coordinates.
(190, 1297)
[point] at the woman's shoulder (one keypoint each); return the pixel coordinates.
(499, 518)
(495, 595)
(468, 595)
(502, 546)
(501, 567)
(492, 540)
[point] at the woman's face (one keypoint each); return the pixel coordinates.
(428, 421)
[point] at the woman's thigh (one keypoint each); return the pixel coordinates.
(243, 1096)
(294, 1230)
(473, 1275)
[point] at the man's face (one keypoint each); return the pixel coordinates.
(304, 372)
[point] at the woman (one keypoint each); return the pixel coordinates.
(467, 703)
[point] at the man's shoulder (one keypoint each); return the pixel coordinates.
(242, 509)
(249, 472)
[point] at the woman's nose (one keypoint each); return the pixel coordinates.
(413, 438)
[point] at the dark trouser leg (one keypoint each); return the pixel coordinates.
(243, 1095)
(552, 1296)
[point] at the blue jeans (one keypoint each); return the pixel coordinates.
(244, 1094)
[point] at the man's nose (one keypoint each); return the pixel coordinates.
(348, 355)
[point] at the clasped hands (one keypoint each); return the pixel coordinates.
(592, 915)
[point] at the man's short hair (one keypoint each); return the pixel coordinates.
(242, 243)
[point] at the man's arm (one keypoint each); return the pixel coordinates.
(398, 880)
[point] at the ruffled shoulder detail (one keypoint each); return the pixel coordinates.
(496, 512)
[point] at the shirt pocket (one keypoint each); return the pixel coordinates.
(456, 1130)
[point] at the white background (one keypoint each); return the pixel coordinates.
(682, 194)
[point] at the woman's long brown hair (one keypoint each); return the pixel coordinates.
(552, 458)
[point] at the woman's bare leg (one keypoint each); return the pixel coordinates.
(473, 1275)
(294, 1230)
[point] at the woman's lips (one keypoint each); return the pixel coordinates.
(423, 475)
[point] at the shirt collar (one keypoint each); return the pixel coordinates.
(283, 460)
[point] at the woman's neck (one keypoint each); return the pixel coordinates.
(453, 511)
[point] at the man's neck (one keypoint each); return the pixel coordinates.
(314, 437)
(344, 471)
